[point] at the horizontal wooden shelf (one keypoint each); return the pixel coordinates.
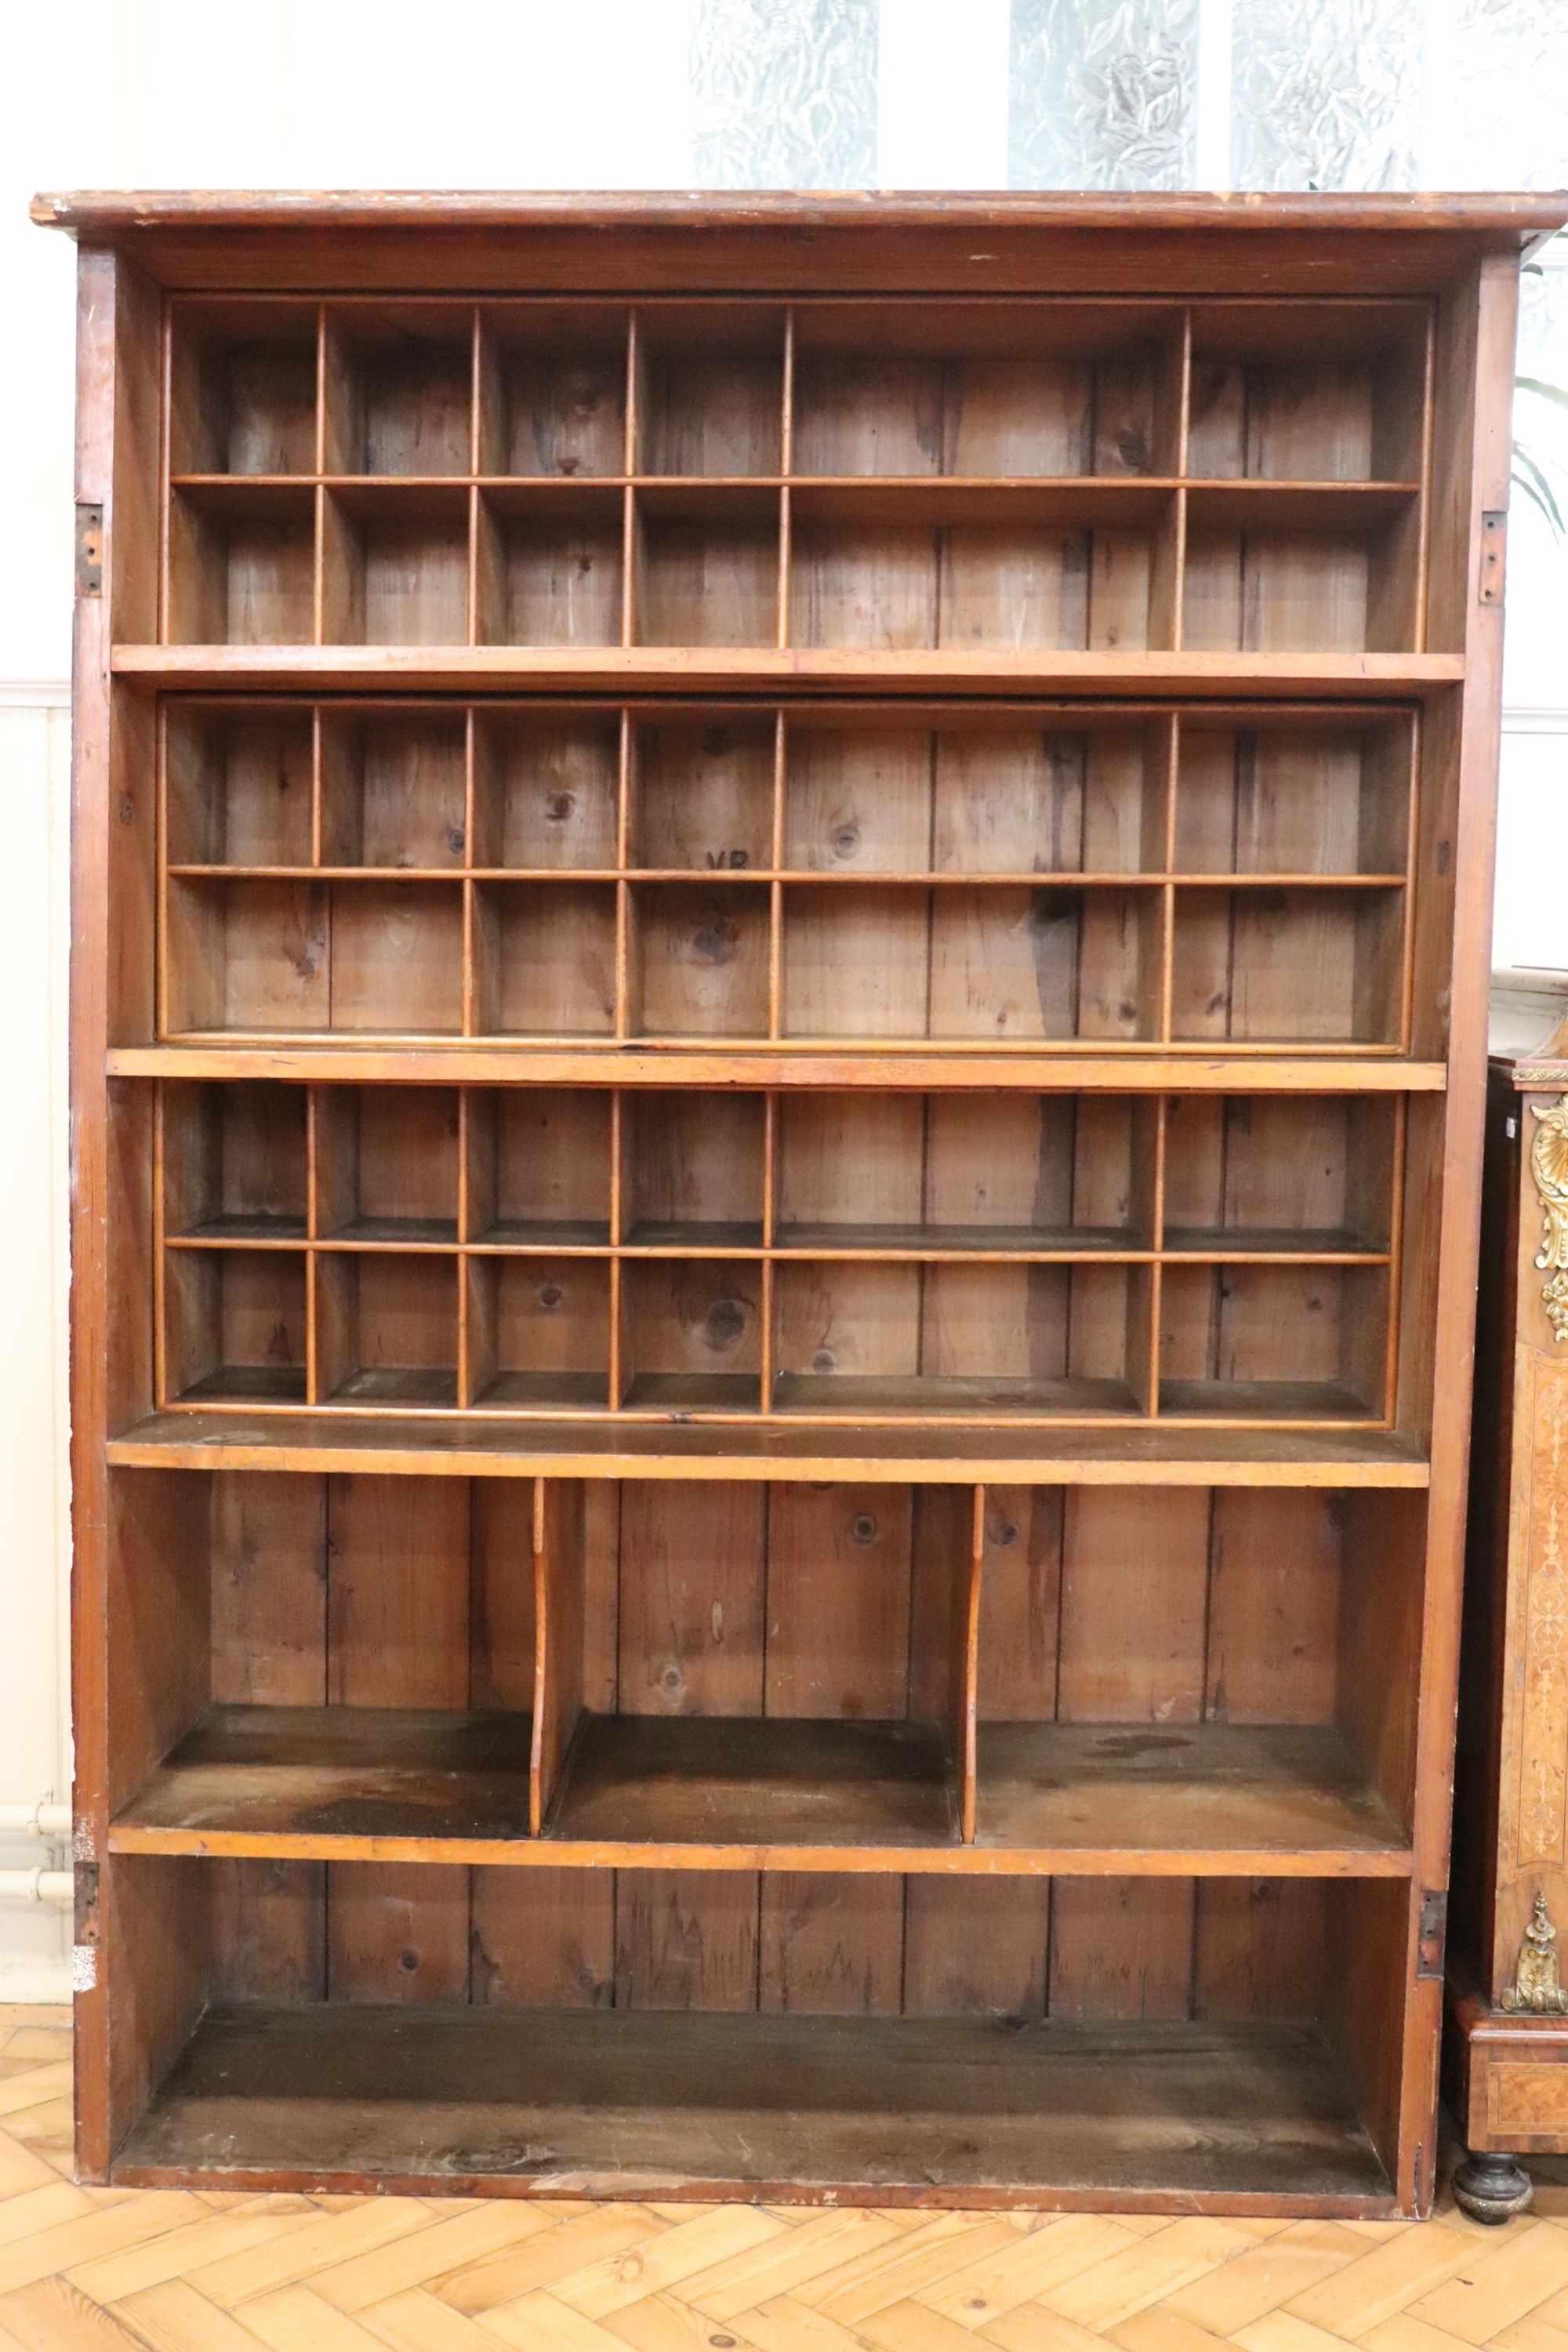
(936, 501)
(343, 1780)
(961, 1245)
(1097, 1069)
(645, 2103)
(825, 1793)
(1117, 1454)
(1167, 1799)
(805, 877)
(649, 669)
(713, 1792)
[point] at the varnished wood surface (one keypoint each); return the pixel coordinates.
(694, 1780)
(817, 487)
(649, 669)
(105, 211)
(715, 1792)
(927, 2111)
(1267, 1797)
(1122, 1455)
(639, 1063)
(408, 1774)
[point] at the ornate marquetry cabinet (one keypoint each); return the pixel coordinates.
(778, 1042)
(1507, 2057)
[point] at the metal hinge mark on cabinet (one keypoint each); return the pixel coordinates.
(1494, 555)
(1434, 1932)
(88, 550)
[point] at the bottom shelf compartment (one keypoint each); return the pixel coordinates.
(894, 2110)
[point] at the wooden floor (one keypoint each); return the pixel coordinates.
(187, 2272)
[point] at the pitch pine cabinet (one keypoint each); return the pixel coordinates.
(1507, 2054)
(781, 915)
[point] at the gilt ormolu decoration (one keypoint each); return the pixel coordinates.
(1549, 1166)
(1536, 1990)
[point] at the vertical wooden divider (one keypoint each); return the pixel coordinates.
(623, 943)
(476, 395)
(625, 787)
(630, 563)
(770, 1148)
(470, 909)
(1407, 898)
(161, 823)
(617, 1231)
(313, 1233)
(1395, 1263)
(776, 893)
(160, 1245)
(786, 466)
(319, 531)
(558, 1620)
(1179, 520)
(1424, 509)
(1156, 1271)
(165, 490)
(1168, 866)
(966, 1675)
(466, 1264)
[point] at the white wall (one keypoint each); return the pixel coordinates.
(620, 93)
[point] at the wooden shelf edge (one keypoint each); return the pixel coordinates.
(612, 670)
(104, 210)
(1143, 1456)
(622, 1853)
(1191, 1070)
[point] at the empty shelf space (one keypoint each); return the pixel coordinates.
(966, 1242)
(1111, 1453)
(617, 2102)
(934, 1396)
(278, 1780)
(712, 1781)
(1267, 1401)
(234, 1326)
(1318, 393)
(1144, 1796)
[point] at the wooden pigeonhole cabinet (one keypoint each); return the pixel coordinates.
(781, 933)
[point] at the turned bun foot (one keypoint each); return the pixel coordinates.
(1492, 2187)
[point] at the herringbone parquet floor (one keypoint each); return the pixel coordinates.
(143, 2271)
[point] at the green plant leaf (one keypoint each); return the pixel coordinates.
(1553, 392)
(1537, 489)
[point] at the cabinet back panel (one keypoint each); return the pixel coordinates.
(238, 789)
(704, 795)
(545, 792)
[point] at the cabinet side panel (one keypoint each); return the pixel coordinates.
(1490, 300)
(116, 460)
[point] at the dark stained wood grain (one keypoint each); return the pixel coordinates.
(751, 1781)
(643, 2104)
(1293, 1797)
